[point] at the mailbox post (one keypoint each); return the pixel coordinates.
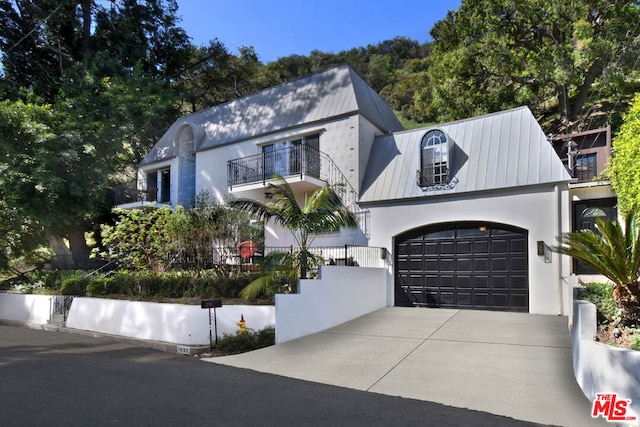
(212, 303)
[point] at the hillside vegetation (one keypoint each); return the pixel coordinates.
(88, 87)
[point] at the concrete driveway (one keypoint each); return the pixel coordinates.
(512, 364)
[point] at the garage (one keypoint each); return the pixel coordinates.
(463, 265)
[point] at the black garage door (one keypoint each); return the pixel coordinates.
(463, 265)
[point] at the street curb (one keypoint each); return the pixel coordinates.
(186, 350)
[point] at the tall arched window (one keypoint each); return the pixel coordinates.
(434, 159)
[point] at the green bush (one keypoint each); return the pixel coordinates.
(101, 285)
(601, 295)
(635, 342)
(36, 281)
(75, 283)
(141, 284)
(50, 279)
(250, 340)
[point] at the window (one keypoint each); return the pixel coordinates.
(292, 157)
(158, 186)
(585, 167)
(165, 186)
(152, 187)
(434, 159)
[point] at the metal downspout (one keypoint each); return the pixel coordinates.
(558, 256)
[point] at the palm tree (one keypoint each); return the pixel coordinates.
(321, 212)
(614, 252)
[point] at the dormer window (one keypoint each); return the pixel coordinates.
(434, 159)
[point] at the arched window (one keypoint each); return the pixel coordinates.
(186, 167)
(434, 159)
(186, 146)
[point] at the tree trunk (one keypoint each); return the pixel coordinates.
(627, 298)
(63, 257)
(86, 32)
(563, 103)
(585, 89)
(79, 249)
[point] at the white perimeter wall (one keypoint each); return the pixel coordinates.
(25, 308)
(172, 323)
(542, 211)
(338, 295)
(601, 368)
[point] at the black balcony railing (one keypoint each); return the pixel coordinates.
(298, 160)
(432, 175)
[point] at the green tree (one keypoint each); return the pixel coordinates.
(623, 167)
(321, 212)
(19, 236)
(139, 240)
(91, 94)
(212, 76)
(47, 174)
(492, 54)
(613, 251)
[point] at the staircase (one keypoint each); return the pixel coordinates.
(59, 306)
(56, 322)
(332, 174)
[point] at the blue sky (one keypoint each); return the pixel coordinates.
(277, 28)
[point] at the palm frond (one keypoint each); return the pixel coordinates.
(611, 250)
(276, 265)
(255, 288)
(323, 211)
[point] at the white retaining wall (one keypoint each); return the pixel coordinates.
(25, 308)
(172, 323)
(600, 368)
(338, 295)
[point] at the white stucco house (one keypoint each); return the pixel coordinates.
(466, 210)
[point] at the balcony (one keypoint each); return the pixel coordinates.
(127, 196)
(305, 169)
(300, 166)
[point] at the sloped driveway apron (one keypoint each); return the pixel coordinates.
(512, 364)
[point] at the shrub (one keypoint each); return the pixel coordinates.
(601, 295)
(101, 285)
(75, 284)
(635, 342)
(250, 340)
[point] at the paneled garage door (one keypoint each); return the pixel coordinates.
(463, 265)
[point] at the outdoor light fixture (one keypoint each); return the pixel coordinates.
(544, 251)
(482, 228)
(617, 333)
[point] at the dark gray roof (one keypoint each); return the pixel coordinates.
(336, 92)
(495, 151)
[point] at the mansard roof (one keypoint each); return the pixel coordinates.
(490, 152)
(333, 93)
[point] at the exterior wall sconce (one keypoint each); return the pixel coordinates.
(544, 251)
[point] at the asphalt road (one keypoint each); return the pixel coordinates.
(60, 379)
